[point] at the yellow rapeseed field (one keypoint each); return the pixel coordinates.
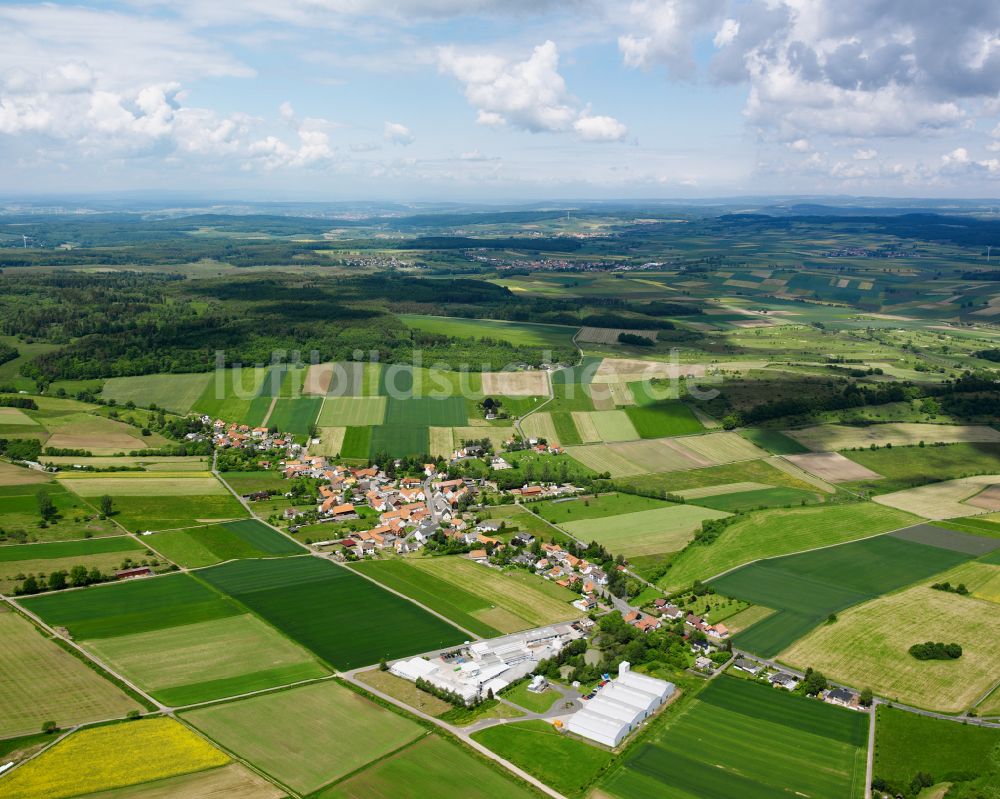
(112, 757)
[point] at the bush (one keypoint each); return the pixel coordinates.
(936, 651)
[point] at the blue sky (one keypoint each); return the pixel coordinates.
(491, 100)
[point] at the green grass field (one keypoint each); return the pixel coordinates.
(230, 392)
(352, 411)
(76, 518)
(429, 767)
(759, 471)
(106, 611)
(426, 412)
(567, 764)
(194, 547)
(296, 415)
(140, 513)
(905, 467)
(520, 333)
(614, 504)
(867, 646)
(807, 587)
(399, 440)
(248, 482)
(42, 682)
(744, 739)
(774, 441)
(177, 393)
(357, 443)
(306, 737)
(664, 418)
(106, 554)
(759, 498)
(647, 532)
(346, 620)
(566, 431)
(529, 700)
(207, 660)
(446, 598)
(906, 743)
(519, 600)
(769, 533)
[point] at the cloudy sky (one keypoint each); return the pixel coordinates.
(501, 99)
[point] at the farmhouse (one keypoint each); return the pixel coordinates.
(620, 707)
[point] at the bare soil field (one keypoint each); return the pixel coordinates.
(827, 437)
(626, 370)
(987, 499)
(832, 466)
(318, 378)
(516, 384)
(944, 500)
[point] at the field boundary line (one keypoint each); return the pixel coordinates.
(237, 759)
(344, 777)
(92, 658)
(270, 410)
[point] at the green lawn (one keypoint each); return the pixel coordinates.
(807, 587)
(529, 700)
(342, 617)
(768, 533)
(567, 764)
(744, 739)
(906, 467)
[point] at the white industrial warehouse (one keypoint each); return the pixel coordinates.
(620, 706)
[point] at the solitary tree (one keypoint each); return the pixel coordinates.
(107, 505)
(46, 507)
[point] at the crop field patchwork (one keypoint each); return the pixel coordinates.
(585, 425)
(329, 609)
(105, 554)
(177, 393)
(96, 434)
(956, 540)
(944, 500)
(516, 600)
(520, 333)
(629, 370)
(207, 660)
(572, 509)
(613, 426)
(15, 417)
(539, 425)
(234, 781)
(352, 411)
(868, 644)
(153, 603)
(141, 484)
(306, 737)
(638, 457)
(721, 490)
(719, 448)
(838, 437)
(11, 475)
(331, 441)
(229, 393)
(647, 532)
(807, 587)
(774, 441)
(114, 756)
(905, 467)
(194, 547)
(42, 682)
(450, 600)
(744, 739)
(770, 533)
(429, 767)
(832, 467)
